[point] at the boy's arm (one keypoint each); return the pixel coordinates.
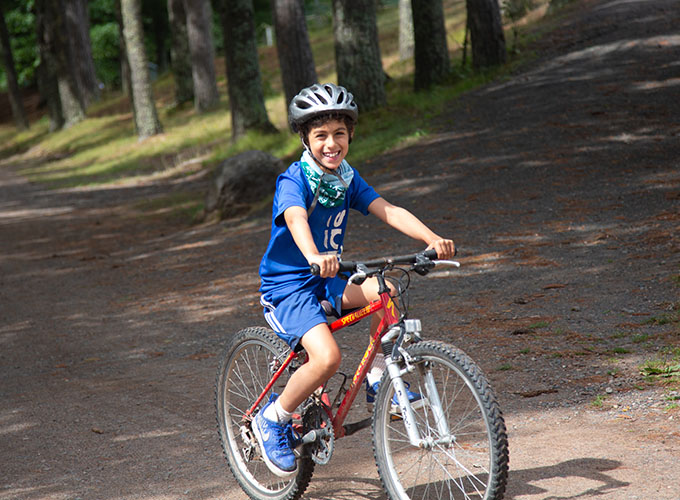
(296, 220)
(404, 221)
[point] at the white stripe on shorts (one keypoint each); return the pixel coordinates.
(270, 317)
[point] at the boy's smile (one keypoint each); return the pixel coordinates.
(329, 143)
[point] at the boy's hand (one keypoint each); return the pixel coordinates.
(328, 264)
(446, 249)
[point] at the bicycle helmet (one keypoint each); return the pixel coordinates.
(319, 99)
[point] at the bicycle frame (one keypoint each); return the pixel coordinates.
(391, 317)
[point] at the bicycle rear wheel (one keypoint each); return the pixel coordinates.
(472, 461)
(245, 369)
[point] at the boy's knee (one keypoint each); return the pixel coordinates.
(329, 362)
(332, 361)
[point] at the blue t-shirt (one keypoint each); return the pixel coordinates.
(283, 268)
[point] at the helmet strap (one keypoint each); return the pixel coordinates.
(316, 160)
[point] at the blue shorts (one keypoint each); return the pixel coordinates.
(294, 314)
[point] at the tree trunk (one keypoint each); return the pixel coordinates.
(406, 42)
(15, 98)
(199, 30)
(486, 33)
(180, 59)
(78, 26)
(244, 81)
(125, 78)
(58, 46)
(292, 44)
(357, 52)
(46, 73)
(146, 118)
(431, 52)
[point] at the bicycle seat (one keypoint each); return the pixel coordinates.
(328, 309)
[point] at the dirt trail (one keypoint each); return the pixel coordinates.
(561, 186)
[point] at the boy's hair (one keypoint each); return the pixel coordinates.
(319, 120)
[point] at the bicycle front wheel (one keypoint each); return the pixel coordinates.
(465, 455)
(245, 369)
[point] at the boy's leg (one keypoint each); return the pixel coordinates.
(361, 295)
(324, 361)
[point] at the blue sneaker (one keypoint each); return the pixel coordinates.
(415, 398)
(275, 442)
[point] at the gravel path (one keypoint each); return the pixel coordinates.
(561, 186)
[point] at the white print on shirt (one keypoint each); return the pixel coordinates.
(331, 234)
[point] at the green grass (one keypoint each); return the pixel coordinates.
(664, 369)
(599, 400)
(660, 368)
(664, 319)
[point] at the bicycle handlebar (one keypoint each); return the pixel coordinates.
(349, 266)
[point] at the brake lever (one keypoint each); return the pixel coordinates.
(359, 275)
(423, 264)
(452, 263)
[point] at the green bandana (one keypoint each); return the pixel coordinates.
(329, 188)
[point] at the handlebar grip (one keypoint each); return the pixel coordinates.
(315, 269)
(430, 254)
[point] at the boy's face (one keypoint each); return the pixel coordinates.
(329, 143)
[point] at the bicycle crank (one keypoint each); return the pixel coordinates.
(318, 439)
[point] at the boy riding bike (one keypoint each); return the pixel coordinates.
(309, 218)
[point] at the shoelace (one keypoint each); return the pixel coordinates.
(292, 436)
(281, 433)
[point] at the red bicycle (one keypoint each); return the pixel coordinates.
(451, 445)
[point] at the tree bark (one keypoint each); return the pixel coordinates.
(125, 78)
(292, 44)
(57, 44)
(406, 42)
(180, 59)
(199, 30)
(486, 33)
(357, 52)
(78, 25)
(431, 52)
(15, 99)
(146, 118)
(46, 73)
(246, 97)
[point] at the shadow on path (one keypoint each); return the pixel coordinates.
(527, 482)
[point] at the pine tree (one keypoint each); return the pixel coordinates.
(146, 118)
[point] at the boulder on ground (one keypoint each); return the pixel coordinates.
(241, 182)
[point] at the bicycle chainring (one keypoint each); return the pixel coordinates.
(316, 418)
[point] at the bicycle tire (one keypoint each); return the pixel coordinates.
(245, 368)
(474, 464)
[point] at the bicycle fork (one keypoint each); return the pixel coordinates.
(396, 373)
